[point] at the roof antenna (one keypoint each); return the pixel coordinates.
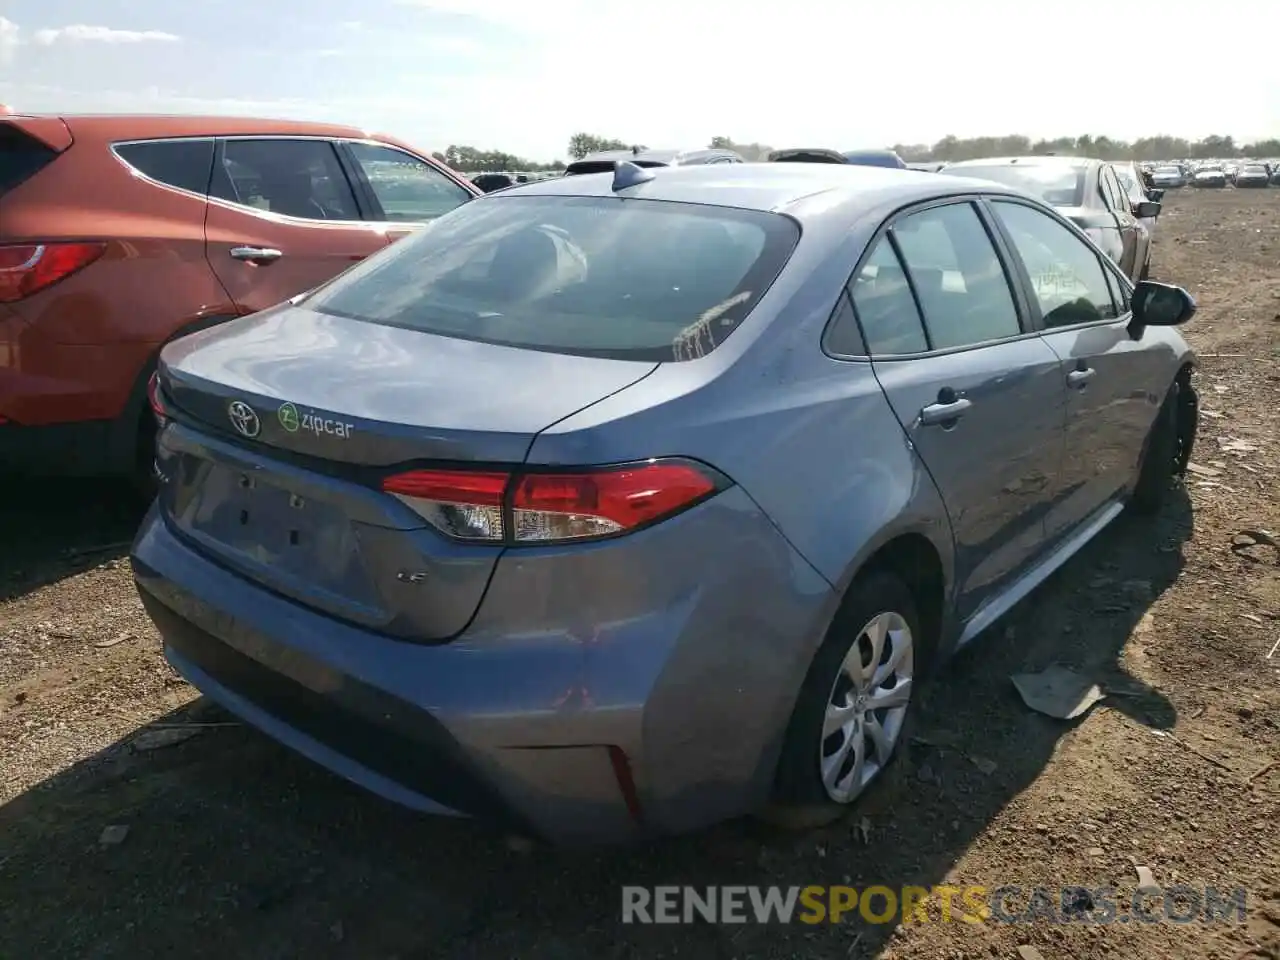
(627, 174)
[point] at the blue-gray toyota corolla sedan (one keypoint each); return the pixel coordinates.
(625, 503)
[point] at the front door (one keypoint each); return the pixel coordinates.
(283, 218)
(1103, 368)
(980, 398)
(1132, 233)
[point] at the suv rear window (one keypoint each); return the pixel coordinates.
(613, 277)
(20, 156)
(186, 164)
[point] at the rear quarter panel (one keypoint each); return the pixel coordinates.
(154, 277)
(810, 438)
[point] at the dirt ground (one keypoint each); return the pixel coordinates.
(234, 847)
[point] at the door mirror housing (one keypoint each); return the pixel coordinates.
(1146, 210)
(1160, 305)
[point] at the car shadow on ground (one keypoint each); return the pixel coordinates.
(235, 847)
(53, 528)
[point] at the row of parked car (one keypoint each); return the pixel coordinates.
(603, 506)
(1214, 173)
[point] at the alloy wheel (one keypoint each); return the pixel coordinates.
(867, 707)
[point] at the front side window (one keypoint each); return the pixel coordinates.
(408, 189)
(294, 178)
(614, 277)
(957, 274)
(1067, 278)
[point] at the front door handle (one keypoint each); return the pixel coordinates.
(260, 256)
(1078, 378)
(943, 413)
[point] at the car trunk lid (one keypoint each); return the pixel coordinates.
(284, 424)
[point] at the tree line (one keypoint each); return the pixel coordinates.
(471, 159)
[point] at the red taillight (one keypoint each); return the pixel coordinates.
(545, 507)
(26, 268)
(155, 397)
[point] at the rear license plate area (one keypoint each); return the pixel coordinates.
(268, 524)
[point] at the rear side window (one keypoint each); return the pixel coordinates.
(958, 277)
(609, 277)
(20, 156)
(295, 178)
(408, 189)
(882, 298)
(185, 164)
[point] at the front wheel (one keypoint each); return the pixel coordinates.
(1164, 457)
(854, 705)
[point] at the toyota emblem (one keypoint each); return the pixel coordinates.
(244, 419)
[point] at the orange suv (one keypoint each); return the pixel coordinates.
(118, 234)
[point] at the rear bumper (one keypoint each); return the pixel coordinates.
(67, 408)
(560, 711)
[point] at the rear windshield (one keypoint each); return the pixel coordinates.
(1169, 171)
(1254, 168)
(1056, 184)
(613, 277)
(604, 166)
(20, 156)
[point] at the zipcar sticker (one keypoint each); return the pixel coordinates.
(312, 422)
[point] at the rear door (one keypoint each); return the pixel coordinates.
(399, 188)
(283, 218)
(1104, 370)
(979, 395)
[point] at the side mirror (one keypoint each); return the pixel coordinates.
(1146, 210)
(1160, 305)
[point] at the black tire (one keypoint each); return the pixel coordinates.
(142, 478)
(1160, 460)
(800, 799)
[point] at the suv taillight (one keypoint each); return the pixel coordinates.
(536, 506)
(26, 268)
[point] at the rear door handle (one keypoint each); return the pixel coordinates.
(259, 255)
(1078, 378)
(936, 413)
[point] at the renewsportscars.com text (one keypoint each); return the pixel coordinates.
(946, 904)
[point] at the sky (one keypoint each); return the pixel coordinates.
(524, 75)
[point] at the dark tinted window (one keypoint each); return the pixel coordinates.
(407, 188)
(179, 163)
(1057, 184)
(885, 307)
(20, 156)
(1067, 277)
(296, 178)
(964, 293)
(594, 276)
(843, 336)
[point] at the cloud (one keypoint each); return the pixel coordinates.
(84, 33)
(9, 39)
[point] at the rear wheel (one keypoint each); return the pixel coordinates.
(854, 706)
